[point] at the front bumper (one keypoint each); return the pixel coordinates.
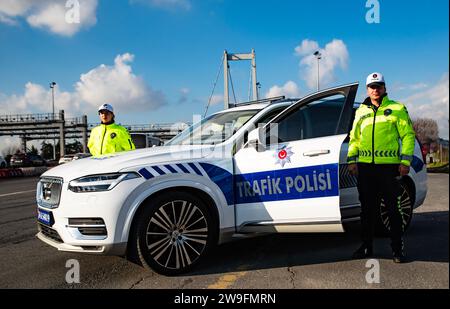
(118, 249)
(107, 206)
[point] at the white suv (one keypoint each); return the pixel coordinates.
(225, 176)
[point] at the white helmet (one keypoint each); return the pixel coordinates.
(107, 107)
(375, 78)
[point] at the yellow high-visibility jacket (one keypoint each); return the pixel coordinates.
(381, 136)
(111, 138)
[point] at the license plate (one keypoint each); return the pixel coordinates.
(45, 217)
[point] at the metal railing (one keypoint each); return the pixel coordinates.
(29, 118)
(150, 127)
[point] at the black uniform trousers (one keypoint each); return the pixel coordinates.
(376, 181)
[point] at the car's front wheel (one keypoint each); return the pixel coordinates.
(383, 225)
(174, 232)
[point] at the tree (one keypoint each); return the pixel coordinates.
(47, 150)
(70, 148)
(33, 150)
(427, 131)
(74, 147)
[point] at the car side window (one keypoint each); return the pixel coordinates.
(316, 119)
(265, 119)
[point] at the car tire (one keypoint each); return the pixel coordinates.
(173, 233)
(2, 165)
(382, 226)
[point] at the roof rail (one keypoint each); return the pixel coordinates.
(267, 100)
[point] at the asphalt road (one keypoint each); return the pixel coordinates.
(275, 261)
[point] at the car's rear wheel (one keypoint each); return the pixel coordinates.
(383, 225)
(174, 232)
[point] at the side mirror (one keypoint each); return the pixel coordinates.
(255, 138)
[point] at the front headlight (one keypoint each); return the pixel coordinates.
(98, 183)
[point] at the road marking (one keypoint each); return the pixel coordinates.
(228, 280)
(16, 193)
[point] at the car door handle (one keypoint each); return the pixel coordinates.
(316, 153)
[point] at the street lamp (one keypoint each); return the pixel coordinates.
(52, 86)
(318, 56)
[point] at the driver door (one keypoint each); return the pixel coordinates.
(291, 182)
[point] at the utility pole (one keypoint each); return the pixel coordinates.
(52, 86)
(226, 67)
(318, 56)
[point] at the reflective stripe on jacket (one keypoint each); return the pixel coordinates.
(109, 138)
(381, 136)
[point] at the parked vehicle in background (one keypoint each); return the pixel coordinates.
(20, 160)
(66, 158)
(25, 160)
(37, 160)
(145, 140)
(3, 163)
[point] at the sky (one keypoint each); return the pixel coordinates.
(156, 61)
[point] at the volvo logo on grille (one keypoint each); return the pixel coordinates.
(47, 191)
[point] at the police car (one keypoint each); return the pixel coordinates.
(274, 167)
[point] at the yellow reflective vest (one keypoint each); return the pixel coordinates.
(111, 138)
(381, 136)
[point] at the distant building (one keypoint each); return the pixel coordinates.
(438, 152)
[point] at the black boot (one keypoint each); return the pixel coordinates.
(363, 252)
(398, 253)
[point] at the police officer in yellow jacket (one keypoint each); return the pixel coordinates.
(380, 150)
(109, 137)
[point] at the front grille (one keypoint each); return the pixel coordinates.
(50, 233)
(49, 192)
(346, 180)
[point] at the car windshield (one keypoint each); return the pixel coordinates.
(214, 129)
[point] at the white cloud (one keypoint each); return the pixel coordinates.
(306, 47)
(115, 84)
(167, 4)
(4, 19)
(334, 55)
(15, 8)
(49, 14)
(432, 103)
(36, 98)
(119, 86)
(289, 89)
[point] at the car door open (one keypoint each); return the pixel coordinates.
(287, 177)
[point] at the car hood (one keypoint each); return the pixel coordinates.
(125, 161)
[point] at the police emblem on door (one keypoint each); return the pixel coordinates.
(283, 155)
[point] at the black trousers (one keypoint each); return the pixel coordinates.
(376, 181)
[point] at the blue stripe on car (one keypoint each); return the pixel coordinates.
(171, 169)
(184, 169)
(158, 170)
(145, 173)
(417, 164)
(195, 168)
(222, 178)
